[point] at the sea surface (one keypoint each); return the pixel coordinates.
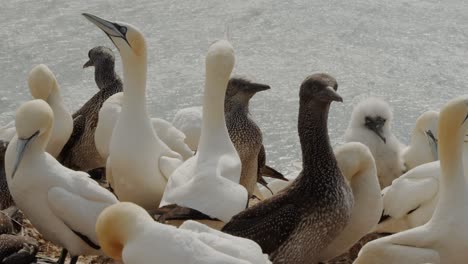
(412, 53)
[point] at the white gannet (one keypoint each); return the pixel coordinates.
(209, 181)
(62, 204)
(43, 85)
(108, 116)
(128, 233)
(423, 146)
(370, 124)
(410, 200)
(358, 166)
(139, 163)
(444, 238)
(189, 121)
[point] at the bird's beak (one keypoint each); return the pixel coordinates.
(87, 64)
(21, 146)
(257, 87)
(332, 95)
(377, 127)
(108, 27)
(433, 144)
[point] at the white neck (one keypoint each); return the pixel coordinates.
(55, 99)
(134, 83)
(452, 181)
(214, 123)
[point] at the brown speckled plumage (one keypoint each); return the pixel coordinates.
(80, 152)
(5, 198)
(297, 223)
(244, 133)
(17, 249)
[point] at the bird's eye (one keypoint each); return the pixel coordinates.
(123, 30)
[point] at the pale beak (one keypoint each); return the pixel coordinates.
(21, 146)
(108, 27)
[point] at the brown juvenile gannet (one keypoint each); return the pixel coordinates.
(5, 198)
(80, 151)
(244, 132)
(299, 222)
(15, 249)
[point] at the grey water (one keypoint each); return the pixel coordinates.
(412, 53)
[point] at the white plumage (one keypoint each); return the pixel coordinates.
(108, 116)
(209, 181)
(128, 233)
(43, 85)
(57, 200)
(370, 124)
(444, 238)
(189, 121)
(139, 162)
(423, 145)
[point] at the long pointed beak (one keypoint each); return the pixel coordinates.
(87, 64)
(333, 95)
(21, 146)
(108, 27)
(433, 144)
(257, 87)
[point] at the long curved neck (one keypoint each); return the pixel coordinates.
(232, 106)
(453, 183)
(313, 135)
(55, 99)
(104, 74)
(134, 83)
(214, 123)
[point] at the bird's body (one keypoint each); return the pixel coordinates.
(139, 162)
(128, 233)
(80, 152)
(357, 165)
(108, 116)
(423, 147)
(243, 131)
(371, 125)
(209, 181)
(189, 121)
(62, 204)
(444, 238)
(5, 198)
(293, 226)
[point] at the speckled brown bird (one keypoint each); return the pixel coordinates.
(244, 132)
(80, 152)
(297, 223)
(15, 249)
(5, 198)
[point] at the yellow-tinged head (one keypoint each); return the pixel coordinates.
(41, 82)
(116, 224)
(126, 38)
(33, 119)
(220, 59)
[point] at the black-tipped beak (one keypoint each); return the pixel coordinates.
(332, 95)
(257, 87)
(21, 146)
(376, 126)
(87, 64)
(433, 144)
